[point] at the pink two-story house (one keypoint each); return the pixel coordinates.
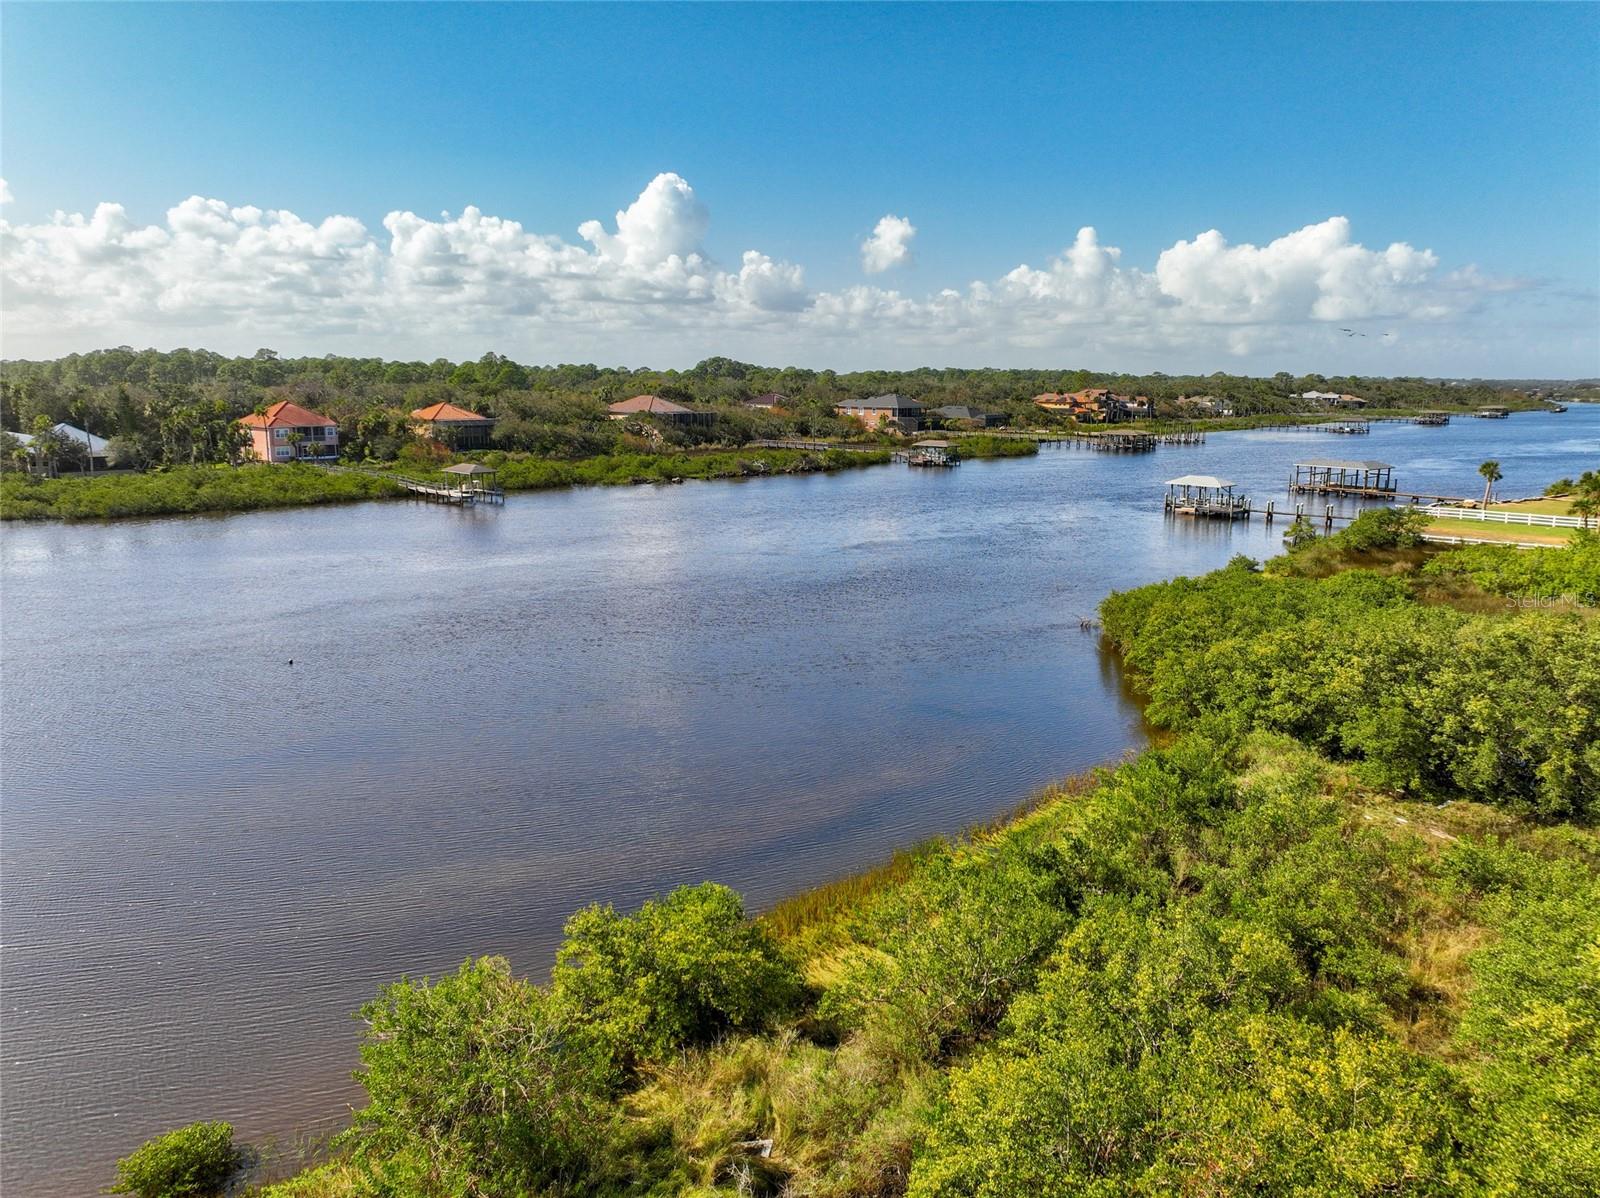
(286, 432)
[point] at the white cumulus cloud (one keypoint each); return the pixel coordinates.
(645, 288)
(889, 246)
(667, 221)
(1316, 272)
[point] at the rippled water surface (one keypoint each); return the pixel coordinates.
(210, 857)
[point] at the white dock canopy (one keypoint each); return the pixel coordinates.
(1201, 480)
(1205, 495)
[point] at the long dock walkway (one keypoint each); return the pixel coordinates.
(465, 494)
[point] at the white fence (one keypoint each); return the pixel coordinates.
(1434, 538)
(1472, 513)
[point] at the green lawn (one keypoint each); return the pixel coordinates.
(1485, 530)
(1541, 507)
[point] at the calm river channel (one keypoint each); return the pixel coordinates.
(211, 857)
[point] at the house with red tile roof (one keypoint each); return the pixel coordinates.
(286, 432)
(1095, 405)
(661, 409)
(452, 425)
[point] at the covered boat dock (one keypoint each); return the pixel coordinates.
(1205, 495)
(1335, 476)
(932, 453)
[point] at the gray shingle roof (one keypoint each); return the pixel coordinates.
(885, 403)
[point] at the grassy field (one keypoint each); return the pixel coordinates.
(1484, 530)
(1539, 507)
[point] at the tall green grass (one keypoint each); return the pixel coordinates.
(182, 491)
(188, 490)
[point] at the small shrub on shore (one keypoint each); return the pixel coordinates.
(196, 1161)
(680, 972)
(477, 1085)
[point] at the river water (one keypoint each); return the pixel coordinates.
(211, 857)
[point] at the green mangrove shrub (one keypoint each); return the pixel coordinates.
(196, 1161)
(680, 972)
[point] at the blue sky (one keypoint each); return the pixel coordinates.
(997, 132)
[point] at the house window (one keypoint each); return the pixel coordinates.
(280, 434)
(282, 453)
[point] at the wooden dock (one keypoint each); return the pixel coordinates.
(470, 491)
(1244, 509)
(1132, 442)
(1346, 427)
(466, 496)
(929, 453)
(1114, 442)
(1337, 476)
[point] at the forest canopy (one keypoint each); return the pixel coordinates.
(174, 408)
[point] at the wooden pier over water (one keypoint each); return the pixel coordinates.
(1132, 442)
(476, 484)
(929, 453)
(1335, 476)
(1356, 427)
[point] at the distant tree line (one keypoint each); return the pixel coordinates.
(179, 408)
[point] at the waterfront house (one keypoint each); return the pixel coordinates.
(1094, 405)
(1204, 405)
(962, 414)
(1347, 401)
(767, 402)
(452, 425)
(286, 432)
(661, 409)
(95, 452)
(891, 411)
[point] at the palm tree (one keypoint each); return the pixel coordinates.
(1491, 475)
(1585, 506)
(1588, 501)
